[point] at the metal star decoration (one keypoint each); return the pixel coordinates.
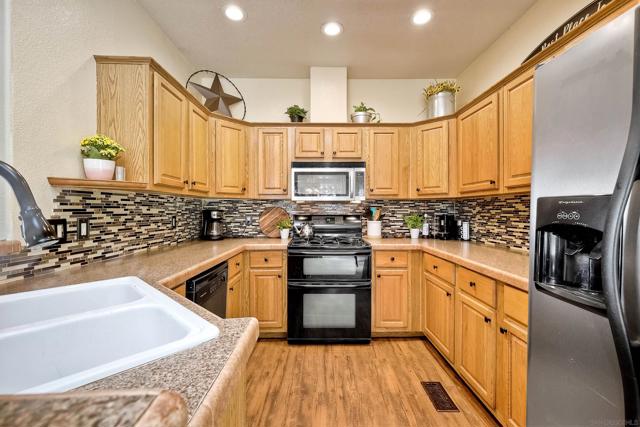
(216, 99)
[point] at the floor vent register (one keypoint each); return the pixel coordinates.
(439, 396)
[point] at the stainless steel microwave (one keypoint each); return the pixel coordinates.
(328, 181)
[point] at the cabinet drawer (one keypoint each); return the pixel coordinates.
(516, 304)
(265, 259)
(392, 259)
(481, 287)
(234, 265)
(439, 267)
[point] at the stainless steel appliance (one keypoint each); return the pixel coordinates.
(212, 224)
(585, 211)
(446, 227)
(209, 289)
(329, 282)
(328, 181)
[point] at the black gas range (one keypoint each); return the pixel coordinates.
(329, 281)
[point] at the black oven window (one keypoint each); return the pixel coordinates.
(329, 310)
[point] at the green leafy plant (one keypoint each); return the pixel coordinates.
(296, 111)
(362, 108)
(100, 147)
(284, 224)
(414, 221)
(437, 87)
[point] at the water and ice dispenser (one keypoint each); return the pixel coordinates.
(568, 248)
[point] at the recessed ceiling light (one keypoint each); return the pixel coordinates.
(421, 17)
(234, 13)
(332, 28)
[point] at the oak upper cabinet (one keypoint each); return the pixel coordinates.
(439, 314)
(273, 162)
(230, 159)
(170, 121)
(200, 142)
(309, 143)
(511, 392)
(475, 355)
(347, 143)
(517, 122)
(384, 162)
(479, 147)
(430, 160)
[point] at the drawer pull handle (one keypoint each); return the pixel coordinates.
(378, 276)
(503, 330)
(393, 258)
(487, 319)
(448, 294)
(435, 267)
(472, 284)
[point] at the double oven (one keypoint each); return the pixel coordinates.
(329, 289)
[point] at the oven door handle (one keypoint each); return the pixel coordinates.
(324, 285)
(327, 253)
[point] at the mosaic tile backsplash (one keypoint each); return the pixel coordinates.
(120, 224)
(502, 221)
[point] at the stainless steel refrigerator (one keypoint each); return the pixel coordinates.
(584, 326)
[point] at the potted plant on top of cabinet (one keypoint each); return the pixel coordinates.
(414, 222)
(441, 98)
(284, 225)
(100, 153)
(364, 114)
(296, 113)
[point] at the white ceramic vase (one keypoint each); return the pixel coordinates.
(374, 228)
(284, 233)
(99, 169)
(415, 233)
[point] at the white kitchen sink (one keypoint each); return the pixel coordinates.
(58, 339)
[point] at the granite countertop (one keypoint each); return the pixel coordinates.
(508, 266)
(198, 375)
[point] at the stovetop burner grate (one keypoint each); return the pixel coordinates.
(329, 242)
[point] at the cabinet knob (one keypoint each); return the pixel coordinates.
(503, 330)
(186, 181)
(193, 183)
(322, 153)
(230, 289)
(284, 190)
(448, 294)
(435, 267)
(266, 260)
(472, 284)
(487, 319)
(418, 189)
(378, 276)
(393, 258)
(279, 276)
(492, 182)
(371, 189)
(237, 264)
(244, 189)
(335, 152)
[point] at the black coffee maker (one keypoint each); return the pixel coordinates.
(212, 225)
(446, 227)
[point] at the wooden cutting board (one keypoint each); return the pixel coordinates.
(269, 219)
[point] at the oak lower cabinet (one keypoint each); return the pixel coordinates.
(236, 289)
(475, 354)
(439, 314)
(479, 147)
(384, 162)
(230, 159)
(267, 290)
(391, 292)
(273, 162)
(511, 398)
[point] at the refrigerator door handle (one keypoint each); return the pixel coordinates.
(630, 259)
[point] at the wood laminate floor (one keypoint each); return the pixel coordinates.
(354, 385)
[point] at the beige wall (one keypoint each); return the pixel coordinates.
(6, 210)
(54, 83)
(514, 45)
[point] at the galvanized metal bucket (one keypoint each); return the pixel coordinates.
(364, 117)
(441, 104)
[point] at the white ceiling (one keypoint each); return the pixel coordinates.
(282, 38)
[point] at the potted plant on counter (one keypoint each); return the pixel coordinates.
(284, 225)
(99, 154)
(441, 98)
(296, 113)
(364, 114)
(414, 222)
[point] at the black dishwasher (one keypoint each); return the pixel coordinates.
(209, 289)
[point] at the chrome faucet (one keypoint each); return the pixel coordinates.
(36, 230)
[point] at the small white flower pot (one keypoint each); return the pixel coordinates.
(415, 233)
(284, 233)
(99, 169)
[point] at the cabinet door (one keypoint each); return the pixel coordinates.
(518, 131)
(478, 147)
(431, 161)
(266, 296)
(347, 143)
(234, 296)
(391, 299)
(273, 163)
(309, 143)
(170, 108)
(511, 404)
(384, 162)
(475, 352)
(439, 315)
(230, 158)
(199, 150)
